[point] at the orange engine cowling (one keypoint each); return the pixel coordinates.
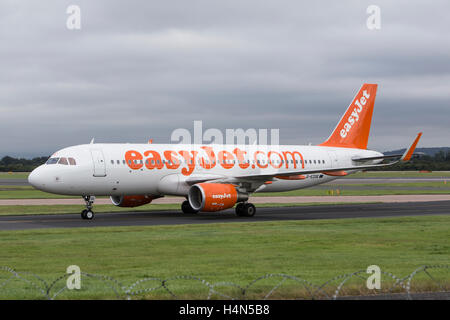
(214, 196)
(131, 201)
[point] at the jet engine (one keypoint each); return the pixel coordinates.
(130, 201)
(214, 196)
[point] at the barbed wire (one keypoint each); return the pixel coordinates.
(138, 289)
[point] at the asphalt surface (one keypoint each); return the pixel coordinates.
(153, 218)
(14, 182)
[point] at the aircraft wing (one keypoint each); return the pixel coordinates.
(340, 171)
(266, 175)
(257, 179)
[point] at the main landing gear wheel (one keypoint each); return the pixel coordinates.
(186, 207)
(87, 213)
(245, 210)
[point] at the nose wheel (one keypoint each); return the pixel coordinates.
(87, 213)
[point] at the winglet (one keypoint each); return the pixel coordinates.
(408, 153)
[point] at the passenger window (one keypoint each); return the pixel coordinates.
(63, 161)
(72, 161)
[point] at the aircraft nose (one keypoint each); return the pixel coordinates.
(36, 178)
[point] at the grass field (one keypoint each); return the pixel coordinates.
(401, 174)
(14, 175)
(366, 189)
(27, 192)
(239, 252)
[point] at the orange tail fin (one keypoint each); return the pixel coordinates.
(353, 129)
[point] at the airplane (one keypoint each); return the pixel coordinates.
(213, 177)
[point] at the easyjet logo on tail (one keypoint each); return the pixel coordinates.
(354, 116)
(353, 128)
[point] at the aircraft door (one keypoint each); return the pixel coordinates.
(99, 163)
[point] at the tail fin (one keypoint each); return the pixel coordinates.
(353, 129)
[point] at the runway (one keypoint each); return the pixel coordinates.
(154, 218)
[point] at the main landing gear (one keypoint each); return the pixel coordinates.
(87, 213)
(186, 207)
(245, 209)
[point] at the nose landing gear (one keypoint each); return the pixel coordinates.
(87, 213)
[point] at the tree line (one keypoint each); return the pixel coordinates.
(8, 163)
(440, 161)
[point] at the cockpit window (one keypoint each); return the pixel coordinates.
(63, 161)
(72, 161)
(52, 161)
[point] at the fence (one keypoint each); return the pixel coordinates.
(35, 287)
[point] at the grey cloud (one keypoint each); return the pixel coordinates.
(139, 70)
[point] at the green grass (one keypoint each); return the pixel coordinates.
(315, 250)
(343, 192)
(28, 192)
(400, 174)
(440, 184)
(14, 175)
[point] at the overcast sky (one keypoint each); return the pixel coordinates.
(140, 69)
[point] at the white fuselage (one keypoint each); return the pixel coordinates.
(160, 169)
